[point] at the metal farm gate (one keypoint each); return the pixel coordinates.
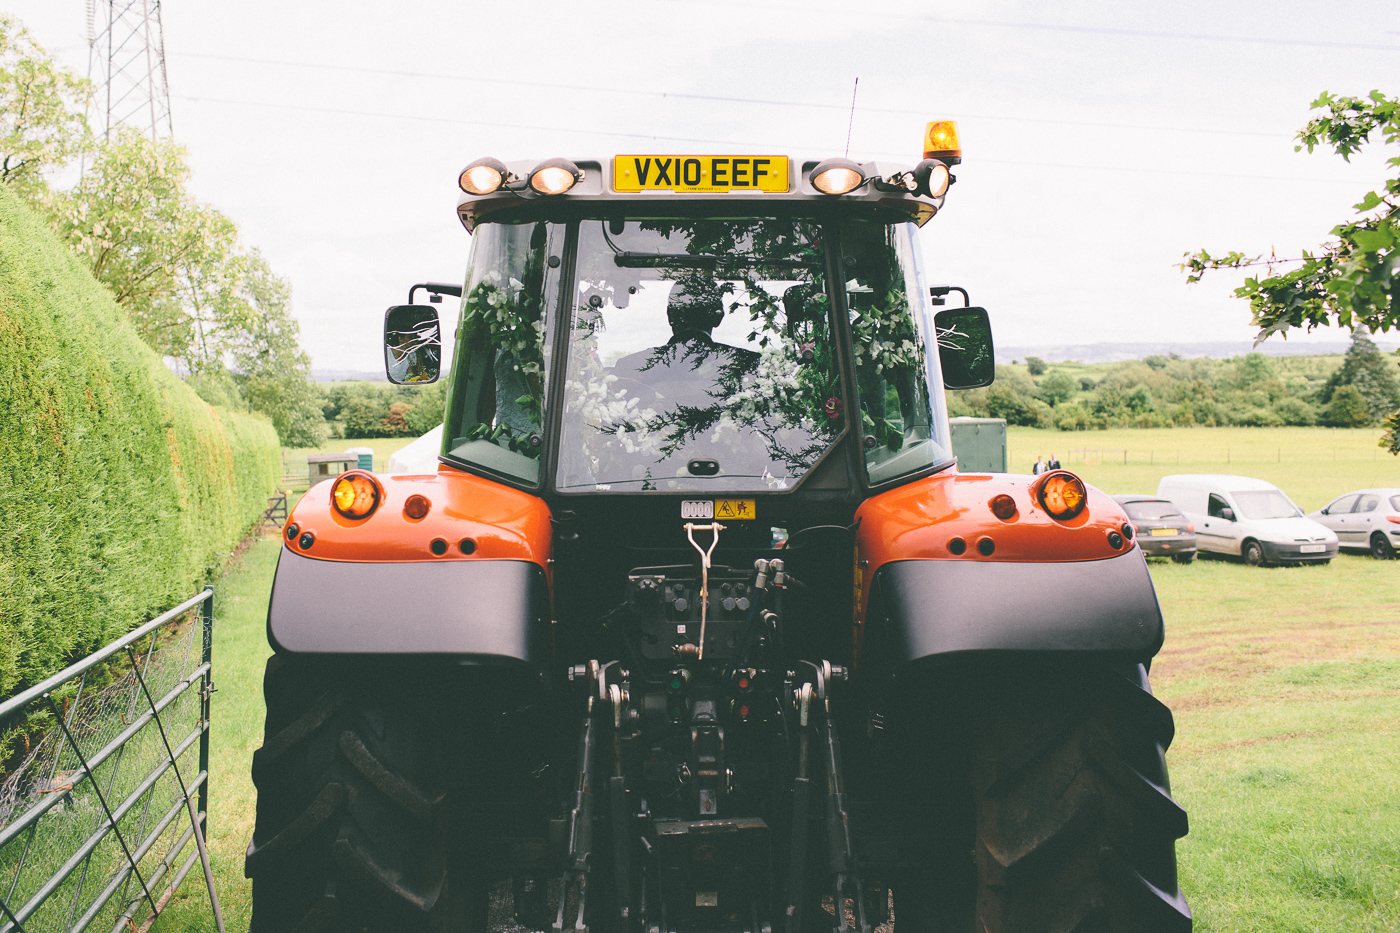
(105, 796)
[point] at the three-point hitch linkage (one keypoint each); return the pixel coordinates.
(710, 869)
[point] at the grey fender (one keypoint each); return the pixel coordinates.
(925, 608)
(491, 611)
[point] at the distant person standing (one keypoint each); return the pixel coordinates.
(1052, 463)
(1039, 467)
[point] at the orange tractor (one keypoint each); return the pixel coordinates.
(697, 628)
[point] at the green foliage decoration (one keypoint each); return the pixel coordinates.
(120, 489)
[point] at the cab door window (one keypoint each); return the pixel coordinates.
(903, 425)
(495, 417)
(1216, 506)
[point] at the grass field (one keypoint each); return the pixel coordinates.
(294, 458)
(1285, 684)
(1312, 465)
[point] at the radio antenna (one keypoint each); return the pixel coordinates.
(853, 116)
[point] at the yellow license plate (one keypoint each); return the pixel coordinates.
(1164, 531)
(700, 173)
(729, 510)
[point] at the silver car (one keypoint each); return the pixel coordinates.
(1365, 520)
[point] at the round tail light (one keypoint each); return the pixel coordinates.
(1062, 494)
(355, 495)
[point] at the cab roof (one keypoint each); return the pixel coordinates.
(613, 180)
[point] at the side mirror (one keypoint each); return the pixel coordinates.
(965, 347)
(1228, 514)
(412, 345)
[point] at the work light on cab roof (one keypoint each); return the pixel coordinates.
(490, 184)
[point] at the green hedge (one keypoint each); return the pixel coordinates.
(120, 490)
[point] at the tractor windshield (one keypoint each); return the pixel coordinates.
(700, 353)
(700, 356)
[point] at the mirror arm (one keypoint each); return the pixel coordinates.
(939, 293)
(436, 290)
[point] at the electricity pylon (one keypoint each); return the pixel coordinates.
(126, 65)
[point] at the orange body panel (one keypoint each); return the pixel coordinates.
(501, 523)
(919, 520)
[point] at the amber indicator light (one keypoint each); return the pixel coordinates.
(1062, 494)
(1003, 507)
(355, 495)
(417, 507)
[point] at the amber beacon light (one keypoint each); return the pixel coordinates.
(941, 141)
(1062, 494)
(355, 495)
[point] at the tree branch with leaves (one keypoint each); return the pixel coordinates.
(1351, 279)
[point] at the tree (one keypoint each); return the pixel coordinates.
(1368, 370)
(1035, 366)
(1058, 387)
(1347, 409)
(270, 366)
(1351, 280)
(42, 125)
(144, 237)
(194, 293)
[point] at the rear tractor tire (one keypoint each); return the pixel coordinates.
(1381, 549)
(1076, 827)
(350, 781)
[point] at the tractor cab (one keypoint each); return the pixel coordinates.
(700, 326)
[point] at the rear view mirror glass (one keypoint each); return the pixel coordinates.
(412, 344)
(965, 347)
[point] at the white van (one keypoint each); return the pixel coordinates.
(1248, 518)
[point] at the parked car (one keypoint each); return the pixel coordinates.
(1162, 530)
(1248, 518)
(1365, 520)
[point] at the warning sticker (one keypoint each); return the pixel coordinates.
(734, 509)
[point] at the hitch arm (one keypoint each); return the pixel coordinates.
(840, 852)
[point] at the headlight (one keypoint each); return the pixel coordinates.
(483, 176)
(837, 176)
(1062, 494)
(355, 495)
(554, 176)
(932, 177)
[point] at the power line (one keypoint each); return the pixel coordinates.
(784, 147)
(714, 98)
(807, 10)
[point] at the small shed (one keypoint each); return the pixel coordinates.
(979, 444)
(324, 466)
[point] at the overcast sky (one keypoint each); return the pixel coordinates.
(1101, 139)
